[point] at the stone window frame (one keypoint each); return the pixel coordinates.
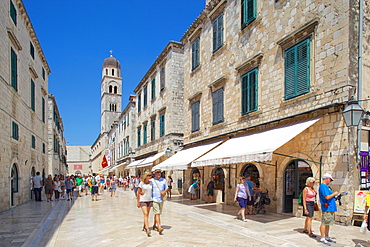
(304, 32)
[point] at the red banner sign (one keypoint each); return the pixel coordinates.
(77, 167)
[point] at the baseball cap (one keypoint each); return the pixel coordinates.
(327, 175)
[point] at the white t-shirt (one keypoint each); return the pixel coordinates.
(147, 189)
(56, 185)
(37, 182)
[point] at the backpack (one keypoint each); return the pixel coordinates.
(300, 199)
(93, 181)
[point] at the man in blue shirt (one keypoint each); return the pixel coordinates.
(328, 208)
(251, 186)
(160, 188)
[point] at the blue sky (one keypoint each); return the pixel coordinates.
(77, 35)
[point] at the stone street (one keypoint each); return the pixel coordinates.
(116, 221)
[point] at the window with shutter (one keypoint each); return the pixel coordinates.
(152, 130)
(138, 137)
(218, 106)
(250, 91)
(139, 103)
(249, 11)
(153, 88)
(32, 95)
(161, 125)
(145, 134)
(43, 73)
(162, 78)
(43, 109)
(15, 130)
(145, 95)
(195, 116)
(297, 70)
(13, 12)
(32, 50)
(195, 58)
(13, 64)
(218, 29)
(33, 141)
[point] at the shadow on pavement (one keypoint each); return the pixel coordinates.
(360, 242)
(229, 209)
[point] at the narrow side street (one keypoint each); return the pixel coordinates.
(117, 221)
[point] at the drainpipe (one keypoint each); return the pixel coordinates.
(359, 87)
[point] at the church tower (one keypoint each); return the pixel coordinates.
(111, 92)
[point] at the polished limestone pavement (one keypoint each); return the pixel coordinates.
(116, 221)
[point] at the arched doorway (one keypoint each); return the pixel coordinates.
(252, 170)
(219, 177)
(14, 183)
(195, 175)
(295, 175)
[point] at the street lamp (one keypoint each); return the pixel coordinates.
(168, 152)
(353, 113)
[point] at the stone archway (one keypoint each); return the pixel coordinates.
(253, 171)
(295, 175)
(14, 183)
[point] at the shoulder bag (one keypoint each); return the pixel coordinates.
(164, 198)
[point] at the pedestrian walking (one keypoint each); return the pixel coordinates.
(144, 199)
(63, 187)
(69, 186)
(49, 184)
(57, 188)
(94, 187)
(209, 192)
(192, 189)
(37, 184)
(328, 208)
(169, 183)
(308, 200)
(101, 184)
(242, 195)
(79, 183)
(251, 186)
(160, 188)
(136, 183)
(112, 187)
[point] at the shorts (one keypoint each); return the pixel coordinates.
(170, 187)
(48, 191)
(69, 191)
(310, 209)
(250, 202)
(209, 193)
(328, 218)
(135, 189)
(146, 204)
(242, 202)
(79, 187)
(158, 207)
(94, 190)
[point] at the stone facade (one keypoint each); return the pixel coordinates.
(79, 159)
(57, 150)
(23, 105)
(332, 31)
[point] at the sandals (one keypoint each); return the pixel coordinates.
(311, 235)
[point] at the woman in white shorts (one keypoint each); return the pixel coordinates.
(144, 199)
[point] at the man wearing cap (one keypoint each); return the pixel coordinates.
(160, 188)
(328, 208)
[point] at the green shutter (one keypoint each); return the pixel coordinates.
(32, 95)
(13, 12)
(15, 133)
(218, 29)
(249, 11)
(33, 141)
(153, 88)
(152, 130)
(145, 94)
(13, 61)
(195, 116)
(297, 70)
(145, 135)
(161, 125)
(214, 38)
(138, 137)
(139, 103)
(43, 73)
(43, 109)
(218, 106)
(32, 50)
(193, 54)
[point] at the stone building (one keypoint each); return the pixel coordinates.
(265, 84)
(23, 105)
(78, 160)
(159, 104)
(57, 150)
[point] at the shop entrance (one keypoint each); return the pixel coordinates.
(219, 177)
(296, 173)
(33, 174)
(253, 172)
(195, 175)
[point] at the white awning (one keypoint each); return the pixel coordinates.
(252, 148)
(134, 164)
(149, 160)
(181, 159)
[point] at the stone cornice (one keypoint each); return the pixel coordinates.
(32, 34)
(14, 39)
(250, 63)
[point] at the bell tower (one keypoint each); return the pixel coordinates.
(111, 92)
